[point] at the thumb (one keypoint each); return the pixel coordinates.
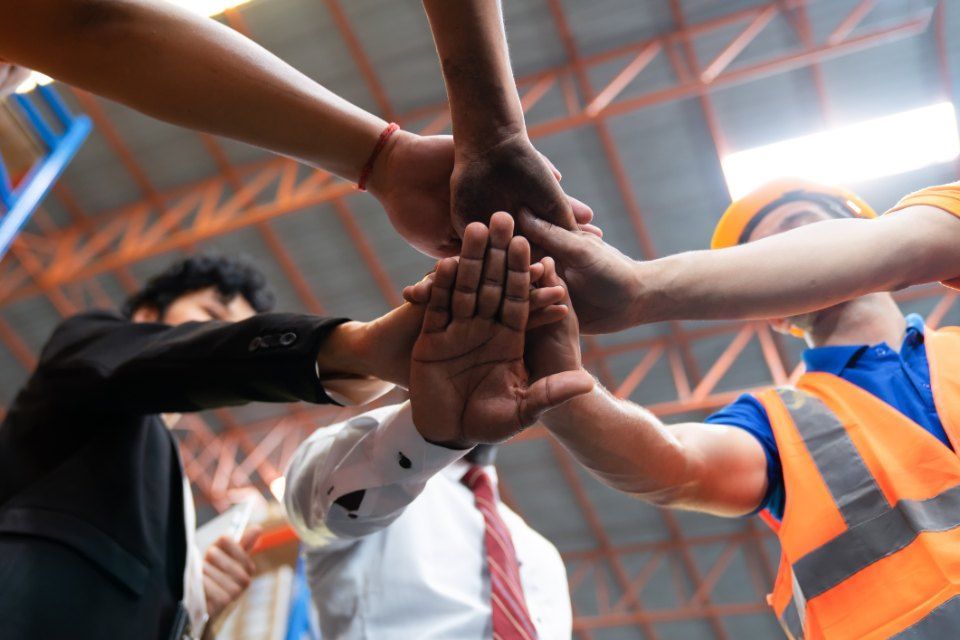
(250, 536)
(553, 391)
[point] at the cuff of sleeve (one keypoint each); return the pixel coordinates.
(406, 455)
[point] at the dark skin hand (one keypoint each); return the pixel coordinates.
(468, 382)
(523, 178)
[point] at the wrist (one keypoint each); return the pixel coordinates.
(573, 412)
(441, 435)
(648, 302)
(487, 138)
(380, 180)
(345, 352)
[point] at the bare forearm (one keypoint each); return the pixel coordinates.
(701, 467)
(190, 71)
(799, 271)
(622, 444)
(472, 46)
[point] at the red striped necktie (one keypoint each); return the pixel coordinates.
(511, 620)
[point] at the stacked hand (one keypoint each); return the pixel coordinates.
(430, 193)
(468, 380)
(603, 282)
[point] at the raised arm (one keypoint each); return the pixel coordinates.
(192, 71)
(355, 478)
(702, 467)
(801, 270)
(169, 63)
(710, 468)
(497, 168)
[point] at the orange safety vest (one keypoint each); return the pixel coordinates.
(870, 534)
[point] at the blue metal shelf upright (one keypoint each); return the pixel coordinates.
(60, 140)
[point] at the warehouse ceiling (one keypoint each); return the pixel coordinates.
(641, 148)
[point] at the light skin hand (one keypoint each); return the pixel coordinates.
(468, 383)
(228, 570)
(554, 347)
(411, 179)
(602, 281)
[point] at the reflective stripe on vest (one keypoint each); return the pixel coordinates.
(875, 530)
(941, 623)
(851, 484)
(790, 621)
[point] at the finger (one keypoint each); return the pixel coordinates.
(419, 293)
(237, 567)
(229, 586)
(217, 598)
(250, 537)
(536, 272)
(592, 229)
(495, 265)
(437, 316)
(233, 549)
(553, 168)
(582, 212)
(552, 391)
(548, 315)
(545, 296)
(468, 273)
(516, 294)
(551, 278)
(556, 241)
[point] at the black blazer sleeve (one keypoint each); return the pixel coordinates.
(103, 362)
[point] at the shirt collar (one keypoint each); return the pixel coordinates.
(835, 359)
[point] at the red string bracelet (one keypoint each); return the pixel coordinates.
(381, 142)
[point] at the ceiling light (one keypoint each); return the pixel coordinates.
(208, 7)
(34, 80)
(854, 153)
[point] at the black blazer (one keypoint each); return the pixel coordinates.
(91, 509)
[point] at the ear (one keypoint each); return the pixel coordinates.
(146, 313)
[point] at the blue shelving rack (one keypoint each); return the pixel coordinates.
(61, 139)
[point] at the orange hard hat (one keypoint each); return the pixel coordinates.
(742, 216)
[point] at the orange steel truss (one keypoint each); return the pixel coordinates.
(60, 264)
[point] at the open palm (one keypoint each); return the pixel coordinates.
(468, 383)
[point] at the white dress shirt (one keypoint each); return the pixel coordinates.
(405, 559)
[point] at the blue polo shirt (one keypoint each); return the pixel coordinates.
(902, 380)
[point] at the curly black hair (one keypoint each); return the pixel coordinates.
(230, 275)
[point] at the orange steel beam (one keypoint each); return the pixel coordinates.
(670, 615)
(590, 514)
(943, 59)
(853, 19)
(801, 23)
(96, 112)
(772, 355)
(914, 25)
(623, 79)
(737, 45)
(723, 363)
(360, 58)
(258, 177)
(612, 155)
